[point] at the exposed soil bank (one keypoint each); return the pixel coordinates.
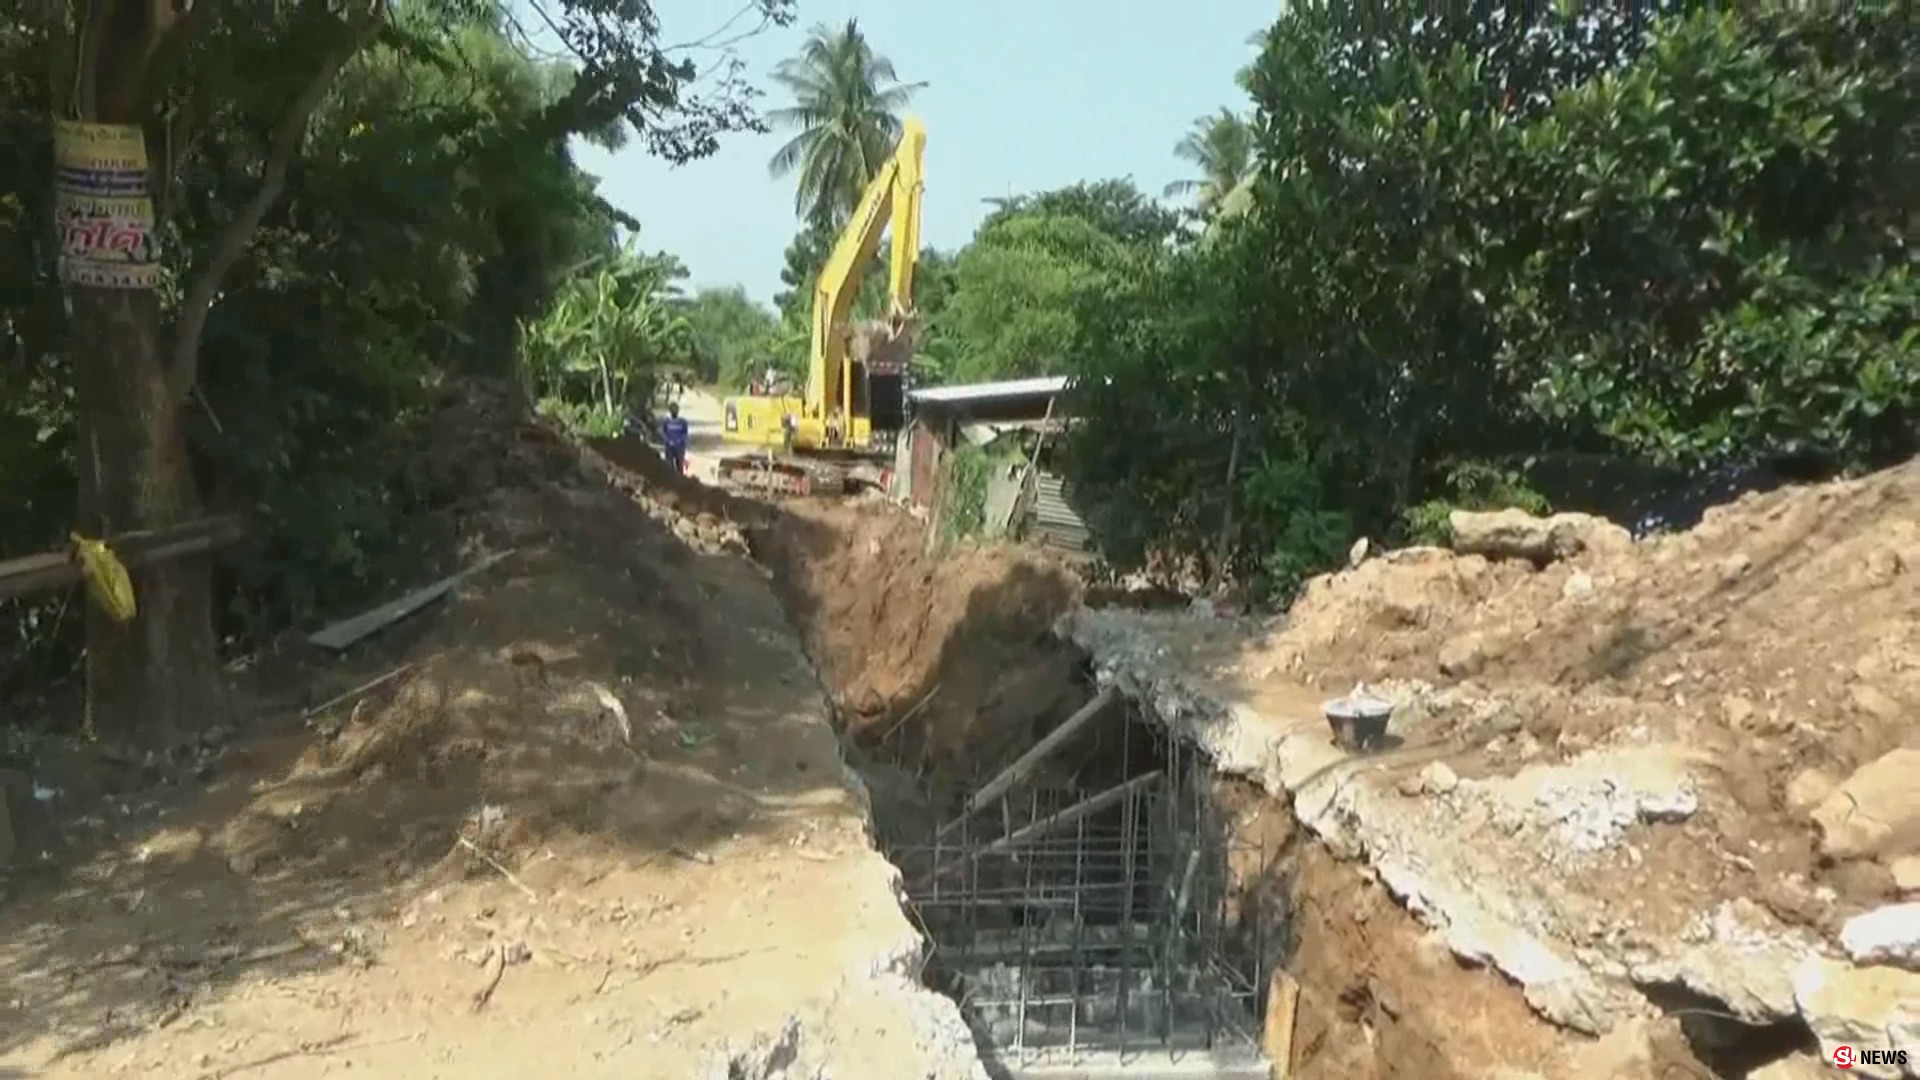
(1644, 781)
(596, 823)
(957, 644)
(943, 668)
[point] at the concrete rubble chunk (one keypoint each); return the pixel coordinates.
(1516, 534)
(765, 1057)
(1885, 935)
(1866, 1008)
(1808, 789)
(1463, 656)
(1438, 778)
(1906, 874)
(1874, 812)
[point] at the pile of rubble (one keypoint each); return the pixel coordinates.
(1616, 771)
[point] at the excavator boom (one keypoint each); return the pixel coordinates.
(892, 198)
(854, 398)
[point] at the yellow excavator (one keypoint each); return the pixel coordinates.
(842, 429)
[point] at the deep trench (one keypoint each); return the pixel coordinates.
(1088, 922)
(1139, 939)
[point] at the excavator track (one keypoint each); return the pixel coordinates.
(800, 476)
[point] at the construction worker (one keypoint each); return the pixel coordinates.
(673, 436)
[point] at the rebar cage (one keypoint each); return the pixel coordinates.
(1081, 924)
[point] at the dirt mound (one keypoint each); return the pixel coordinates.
(957, 644)
(591, 802)
(671, 488)
(1777, 640)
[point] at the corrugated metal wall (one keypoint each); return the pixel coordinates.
(1052, 521)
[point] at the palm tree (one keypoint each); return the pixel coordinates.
(1221, 147)
(846, 111)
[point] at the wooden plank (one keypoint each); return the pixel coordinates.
(1086, 807)
(1276, 1034)
(1014, 773)
(347, 631)
(58, 569)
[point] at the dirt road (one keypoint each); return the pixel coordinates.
(601, 827)
(704, 410)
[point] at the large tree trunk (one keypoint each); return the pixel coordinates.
(157, 678)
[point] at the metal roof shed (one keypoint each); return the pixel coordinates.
(1005, 392)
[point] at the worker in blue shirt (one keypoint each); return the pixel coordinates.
(673, 435)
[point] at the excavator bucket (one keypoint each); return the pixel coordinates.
(885, 346)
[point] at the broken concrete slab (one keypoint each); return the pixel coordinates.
(1869, 1008)
(1885, 935)
(1519, 872)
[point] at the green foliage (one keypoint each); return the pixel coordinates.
(1296, 526)
(1732, 275)
(435, 210)
(1472, 485)
(1496, 232)
(586, 419)
(1221, 148)
(1115, 207)
(963, 511)
(1014, 290)
(732, 337)
(599, 351)
(1008, 304)
(846, 114)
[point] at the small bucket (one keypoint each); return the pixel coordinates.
(1359, 720)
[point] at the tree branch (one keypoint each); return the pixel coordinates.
(86, 88)
(234, 239)
(174, 35)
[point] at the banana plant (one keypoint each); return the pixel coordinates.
(607, 334)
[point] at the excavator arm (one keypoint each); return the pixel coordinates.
(892, 198)
(855, 391)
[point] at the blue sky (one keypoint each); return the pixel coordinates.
(1021, 96)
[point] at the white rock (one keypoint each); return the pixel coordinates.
(1876, 811)
(1579, 586)
(1674, 804)
(1870, 1008)
(1906, 873)
(1438, 779)
(1808, 788)
(1885, 935)
(1516, 534)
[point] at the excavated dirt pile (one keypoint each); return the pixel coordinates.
(944, 660)
(1779, 641)
(1651, 783)
(589, 818)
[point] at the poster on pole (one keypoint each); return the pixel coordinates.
(103, 206)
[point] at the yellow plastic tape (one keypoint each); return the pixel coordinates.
(107, 579)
